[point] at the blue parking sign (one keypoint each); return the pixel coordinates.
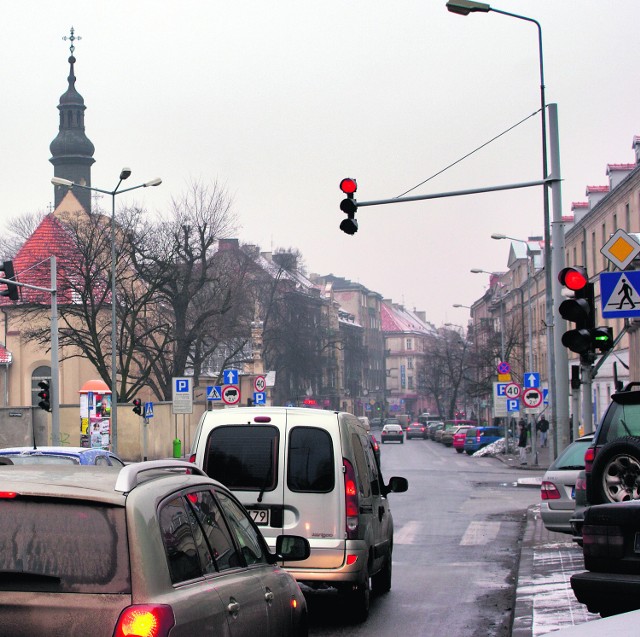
(259, 398)
(182, 385)
(513, 404)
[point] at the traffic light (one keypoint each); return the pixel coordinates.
(349, 206)
(137, 406)
(8, 273)
(603, 338)
(580, 309)
(45, 395)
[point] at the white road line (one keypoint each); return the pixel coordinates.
(480, 533)
(407, 534)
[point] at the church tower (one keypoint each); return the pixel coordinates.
(72, 151)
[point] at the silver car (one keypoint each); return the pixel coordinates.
(558, 486)
(154, 549)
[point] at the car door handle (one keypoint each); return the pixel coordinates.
(380, 512)
(269, 596)
(233, 607)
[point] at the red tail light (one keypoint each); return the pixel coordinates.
(589, 457)
(192, 458)
(352, 506)
(8, 494)
(549, 491)
(145, 620)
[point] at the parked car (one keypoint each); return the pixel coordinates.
(612, 462)
(478, 437)
(312, 473)
(392, 433)
(611, 549)
(416, 430)
(459, 437)
(446, 433)
(558, 486)
(62, 455)
(449, 434)
(155, 549)
(433, 427)
(376, 447)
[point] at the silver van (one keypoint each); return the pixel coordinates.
(311, 473)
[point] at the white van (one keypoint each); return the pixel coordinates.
(312, 473)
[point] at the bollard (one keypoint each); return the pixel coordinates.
(177, 447)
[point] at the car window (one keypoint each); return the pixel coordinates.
(215, 546)
(116, 462)
(364, 480)
(179, 542)
(572, 457)
(310, 467)
(471, 432)
(243, 457)
(621, 420)
(244, 531)
(81, 548)
(42, 459)
(102, 461)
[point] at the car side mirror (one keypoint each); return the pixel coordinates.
(292, 548)
(397, 485)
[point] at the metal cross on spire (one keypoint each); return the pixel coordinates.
(72, 38)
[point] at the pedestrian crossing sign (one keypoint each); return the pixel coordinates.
(620, 294)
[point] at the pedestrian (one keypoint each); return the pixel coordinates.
(522, 442)
(543, 428)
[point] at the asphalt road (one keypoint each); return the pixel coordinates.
(457, 545)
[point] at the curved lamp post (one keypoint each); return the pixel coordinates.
(125, 173)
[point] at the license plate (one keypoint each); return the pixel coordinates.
(259, 516)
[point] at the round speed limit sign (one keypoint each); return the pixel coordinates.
(512, 390)
(259, 383)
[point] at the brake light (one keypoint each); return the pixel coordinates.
(192, 458)
(352, 506)
(549, 491)
(602, 541)
(589, 457)
(145, 620)
(8, 494)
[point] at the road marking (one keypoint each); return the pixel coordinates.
(407, 534)
(480, 533)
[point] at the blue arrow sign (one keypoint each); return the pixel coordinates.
(230, 376)
(532, 379)
(148, 410)
(620, 294)
(214, 392)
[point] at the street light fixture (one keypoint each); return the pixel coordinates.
(556, 377)
(125, 173)
(460, 305)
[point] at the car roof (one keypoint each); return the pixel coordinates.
(101, 484)
(67, 451)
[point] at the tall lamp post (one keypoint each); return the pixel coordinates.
(125, 173)
(465, 7)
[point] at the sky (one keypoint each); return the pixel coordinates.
(278, 100)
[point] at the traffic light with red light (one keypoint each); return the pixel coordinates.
(8, 273)
(137, 406)
(349, 206)
(45, 395)
(579, 310)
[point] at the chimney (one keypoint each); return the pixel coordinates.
(421, 314)
(617, 172)
(636, 147)
(596, 194)
(579, 209)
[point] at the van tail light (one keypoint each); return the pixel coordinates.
(145, 620)
(589, 457)
(352, 506)
(192, 458)
(549, 491)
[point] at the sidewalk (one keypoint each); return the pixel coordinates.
(538, 460)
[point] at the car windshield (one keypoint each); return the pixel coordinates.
(42, 458)
(572, 457)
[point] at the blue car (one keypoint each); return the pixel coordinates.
(479, 437)
(60, 455)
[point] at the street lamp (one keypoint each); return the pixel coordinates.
(125, 173)
(464, 7)
(460, 305)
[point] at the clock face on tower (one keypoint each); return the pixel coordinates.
(82, 182)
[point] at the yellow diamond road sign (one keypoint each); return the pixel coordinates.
(621, 249)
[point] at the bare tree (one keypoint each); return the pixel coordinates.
(18, 230)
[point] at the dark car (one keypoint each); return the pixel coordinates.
(447, 434)
(434, 427)
(479, 437)
(375, 446)
(416, 430)
(612, 462)
(61, 455)
(611, 549)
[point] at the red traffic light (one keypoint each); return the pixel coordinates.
(348, 186)
(574, 278)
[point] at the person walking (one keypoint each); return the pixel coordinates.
(543, 427)
(522, 443)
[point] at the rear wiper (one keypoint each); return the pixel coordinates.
(624, 424)
(22, 576)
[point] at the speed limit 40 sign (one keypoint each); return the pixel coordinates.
(512, 390)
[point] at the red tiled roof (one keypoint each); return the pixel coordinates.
(5, 356)
(597, 189)
(579, 204)
(611, 167)
(32, 264)
(395, 320)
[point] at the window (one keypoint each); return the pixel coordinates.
(364, 479)
(243, 457)
(409, 343)
(247, 536)
(311, 463)
(179, 543)
(410, 362)
(627, 217)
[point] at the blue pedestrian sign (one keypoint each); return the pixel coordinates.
(214, 392)
(259, 398)
(513, 404)
(532, 379)
(230, 376)
(620, 294)
(148, 410)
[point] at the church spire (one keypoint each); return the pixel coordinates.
(71, 150)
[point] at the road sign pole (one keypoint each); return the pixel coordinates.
(587, 409)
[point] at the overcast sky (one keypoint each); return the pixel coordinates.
(278, 100)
